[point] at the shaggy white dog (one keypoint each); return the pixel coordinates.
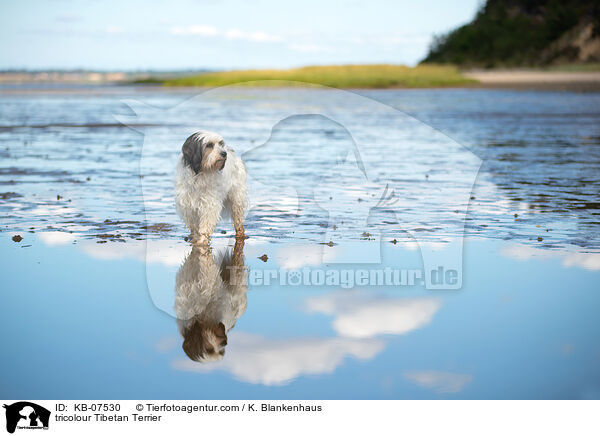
(210, 183)
(210, 295)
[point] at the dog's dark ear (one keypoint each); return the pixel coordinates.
(192, 152)
(193, 342)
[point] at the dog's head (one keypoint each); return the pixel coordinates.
(204, 151)
(205, 342)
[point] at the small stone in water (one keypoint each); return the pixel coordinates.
(264, 257)
(17, 238)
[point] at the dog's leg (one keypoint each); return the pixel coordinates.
(238, 276)
(193, 225)
(237, 202)
(238, 224)
(205, 231)
(207, 221)
(192, 219)
(201, 240)
(237, 259)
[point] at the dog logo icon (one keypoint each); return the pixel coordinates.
(26, 415)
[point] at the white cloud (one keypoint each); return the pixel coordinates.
(115, 29)
(233, 34)
(361, 316)
(169, 253)
(258, 36)
(236, 34)
(195, 30)
(569, 258)
(307, 48)
(52, 210)
(441, 382)
(255, 359)
(589, 261)
(56, 238)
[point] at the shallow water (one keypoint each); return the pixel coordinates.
(82, 325)
(539, 154)
(91, 289)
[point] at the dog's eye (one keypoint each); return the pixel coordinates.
(210, 145)
(221, 142)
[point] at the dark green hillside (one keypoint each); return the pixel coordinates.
(518, 33)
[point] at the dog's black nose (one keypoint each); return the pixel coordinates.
(224, 153)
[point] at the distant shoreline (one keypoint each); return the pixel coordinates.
(343, 77)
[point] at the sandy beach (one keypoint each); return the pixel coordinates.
(524, 79)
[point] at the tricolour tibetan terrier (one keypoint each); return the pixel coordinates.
(210, 182)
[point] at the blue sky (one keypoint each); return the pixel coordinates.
(194, 34)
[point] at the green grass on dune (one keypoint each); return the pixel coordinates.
(338, 76)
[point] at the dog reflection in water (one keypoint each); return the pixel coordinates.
(210, 296)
